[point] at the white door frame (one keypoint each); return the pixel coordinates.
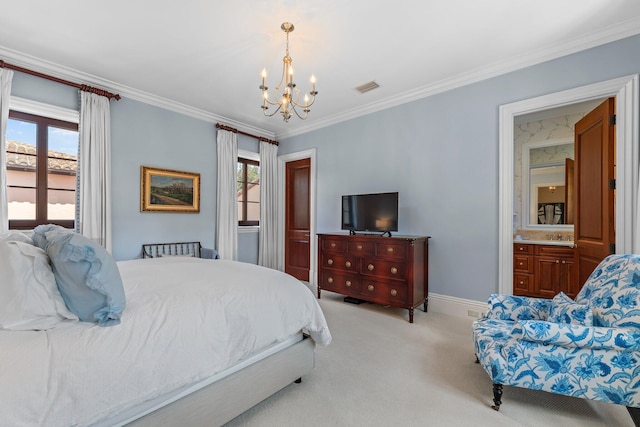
(282, 161)
(625, 89)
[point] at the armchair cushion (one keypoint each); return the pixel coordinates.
(577, 336)
(511, 307)
(565, 310)
(613, 292)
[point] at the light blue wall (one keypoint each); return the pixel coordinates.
(441, 154)
(144, 135)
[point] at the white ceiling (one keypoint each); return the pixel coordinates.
(204, 57)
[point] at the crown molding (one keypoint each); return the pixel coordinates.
(66, 73)
(608, 35)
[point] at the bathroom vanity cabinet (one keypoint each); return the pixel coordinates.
(543, 271)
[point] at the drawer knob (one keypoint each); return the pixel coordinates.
(348, 283)
(522, 263)
(359, 247)
(394, 270)
(522, 282)
(333, 245)
(390, 250)
(521, 248)
(371, 287)
(347, 264)
(330, 262)
(370, 267)
(330, 280)
(394, 292)
(557, 261)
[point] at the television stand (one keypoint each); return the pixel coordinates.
(383, 270)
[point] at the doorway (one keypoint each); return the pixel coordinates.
(625, 89)
(283, 160)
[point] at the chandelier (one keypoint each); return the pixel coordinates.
(289, 102)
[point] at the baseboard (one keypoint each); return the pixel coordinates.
(456, 306)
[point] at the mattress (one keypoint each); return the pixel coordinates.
(187, 319)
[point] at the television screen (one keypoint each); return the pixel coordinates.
(370, 212)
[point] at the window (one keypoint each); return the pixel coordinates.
(248, 186)
(41, 170)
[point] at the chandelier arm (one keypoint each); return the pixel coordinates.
(264, 110)
(306, 112)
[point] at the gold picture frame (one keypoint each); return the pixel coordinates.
(166, 190)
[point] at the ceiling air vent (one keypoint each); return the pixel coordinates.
(367, 87)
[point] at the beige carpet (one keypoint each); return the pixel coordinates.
(380, 370)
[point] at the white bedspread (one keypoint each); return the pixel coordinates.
(186, 319)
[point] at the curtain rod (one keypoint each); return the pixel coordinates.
(85, 88)
(261, 138)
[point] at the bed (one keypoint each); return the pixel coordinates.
(200, 342)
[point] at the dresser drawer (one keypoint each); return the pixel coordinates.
(339, 282)
(522, 263)
(554, 251)
(359, 248)
(334, 245)
(390, 269)
(519, 248)
(340, 262)
(522, 283)
(391, 250)
(384, 292)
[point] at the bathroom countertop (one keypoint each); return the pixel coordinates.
(569, 243)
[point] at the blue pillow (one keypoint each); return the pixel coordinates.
(87, 276)
(565, 310)
(39, 234)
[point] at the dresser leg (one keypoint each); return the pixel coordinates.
(411, 315)
(424, 306)
(318, 292)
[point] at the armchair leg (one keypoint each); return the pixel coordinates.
(497, 396)
(635, 415)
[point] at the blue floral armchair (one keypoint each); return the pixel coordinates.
(587, 348)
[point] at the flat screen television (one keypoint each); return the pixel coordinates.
(376, 212)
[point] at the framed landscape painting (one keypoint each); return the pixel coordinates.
(165, 190)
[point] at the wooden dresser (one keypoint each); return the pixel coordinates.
(385, 270)
(544, 270)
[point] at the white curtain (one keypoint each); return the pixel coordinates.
(5, 92)
(268, 254)
(227, 195)
(93, 198)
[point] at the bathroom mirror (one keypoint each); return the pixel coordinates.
(547, 184)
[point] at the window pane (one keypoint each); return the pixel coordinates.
(62, 204)
(21, 150)
(61, 182)
(253, 193)
(21, 178)
(253, 211)
(22, 203)
(253, 173)
(240, 213)
(63, 142)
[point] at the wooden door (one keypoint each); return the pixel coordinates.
(594, 219)
(569, 176)
(298, 219)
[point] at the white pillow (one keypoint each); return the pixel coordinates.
(29, 296)
(15, 236)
